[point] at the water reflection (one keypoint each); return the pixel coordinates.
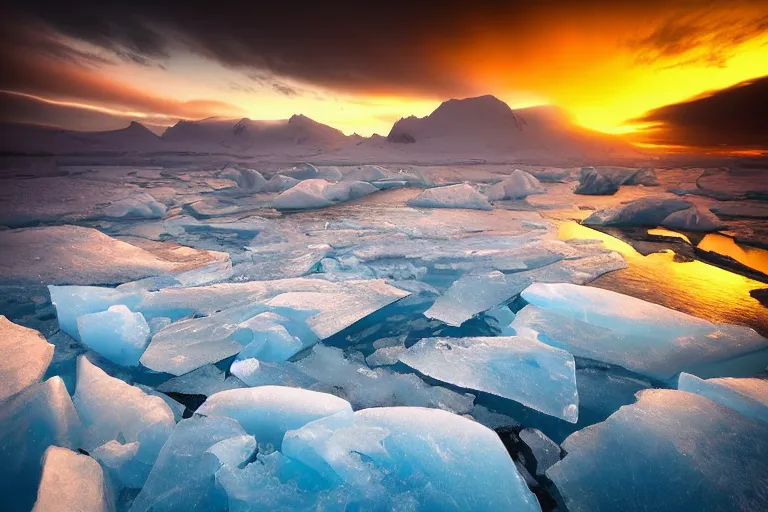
(693, 287)
(750, 256)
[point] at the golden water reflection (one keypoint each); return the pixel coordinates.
(752, 257)
(695, 287)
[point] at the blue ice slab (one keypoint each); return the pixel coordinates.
(183, 475)
(519, 368)
(74, 301)
(110, 410)
(121, 463)
(668, 452)
(117, 334)
(640, 336)
(40, 416)
(749, 396)
(267, 412)
(443, 461)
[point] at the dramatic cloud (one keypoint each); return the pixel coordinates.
(736, 117)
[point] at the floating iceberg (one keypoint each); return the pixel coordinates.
(40, 416)
(670, 451)
(640, 336)
(24, 357)
(279, 183)
(71, 482)
(519, 368)
(348, 190)
(111, 410)
(451, 196)
(519, 185)
(648, 211)
(748, 396)
(692, 219)
(117, 334)
(305, 195)
(594, 183)
(268, 412)
(459, 465)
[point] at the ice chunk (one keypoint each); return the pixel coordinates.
(670, 451)
(385, 356)
(638, 335)
(516, 367)
(452, 196)
(647, 211)
(693, 219)
(110, 409)
(234, 450)
(545, 451)
(473, 293)
(279, 183)
(24, 357)
(348, 190)
(248, 179)
(259, 373)
(519, 185)
(136, 205)
(748, 396)
(117, 334)
(593, 183)
(440, 459)
(71, 483)
(40, 416)
(121, 463)
(183, 476)
(72, 302)
(305, 195)
(270, 339)
(267, 412)
(206, 380)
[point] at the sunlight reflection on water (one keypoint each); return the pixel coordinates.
(693, 287)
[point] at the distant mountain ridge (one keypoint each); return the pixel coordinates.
(471, 128)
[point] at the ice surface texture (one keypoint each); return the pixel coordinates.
(670, 451)
(24, 356)
(747, 396)
(117, 334)
(520, 368)
(638, 335)
(71, 483)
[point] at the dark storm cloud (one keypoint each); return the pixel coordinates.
(357, 46)
(735, 117)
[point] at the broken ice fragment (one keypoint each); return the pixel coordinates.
(545, 451)
(306, 194)
(452, 196)
(118, 334)
(40, 416)
(748, 396)
(183, 475)
(670, 451)
(640, 336)
(267, 412)
(121, 463)
(206, 380)
(519, 368)
(443, 461)
(70, 483)
(110, 409)
(24, 357)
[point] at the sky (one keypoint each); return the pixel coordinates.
(672, 73)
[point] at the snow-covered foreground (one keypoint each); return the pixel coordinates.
(383, 338)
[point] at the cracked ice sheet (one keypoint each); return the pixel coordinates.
(481, 290)
(519, 368)
(326, 308)
(77, 255)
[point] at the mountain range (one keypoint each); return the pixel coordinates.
(482, 128)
